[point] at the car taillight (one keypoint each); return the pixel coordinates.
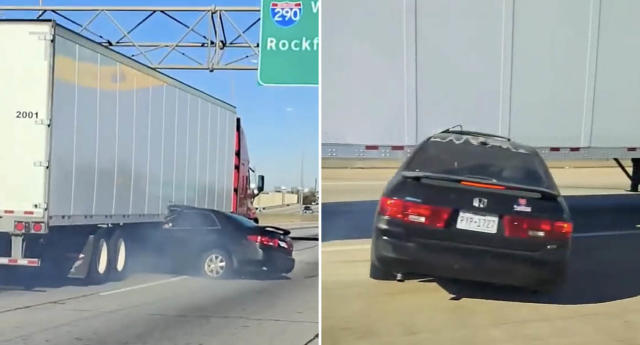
(521, 227)
(267, 241)
(19, 226)
(392, 208)
(434, 216)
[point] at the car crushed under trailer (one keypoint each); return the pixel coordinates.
(218, 245)
(97, 146)
(473, 206)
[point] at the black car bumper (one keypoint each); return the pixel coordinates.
(461, 261)
(275, 262)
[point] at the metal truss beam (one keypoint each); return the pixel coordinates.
(218, 20)
(133, 8)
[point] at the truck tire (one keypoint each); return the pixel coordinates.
(99, 265)
(118, 259)
(216, 264)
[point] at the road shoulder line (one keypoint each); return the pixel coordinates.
(135, 287)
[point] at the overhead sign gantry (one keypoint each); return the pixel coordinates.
(210, 38)
(216, 29)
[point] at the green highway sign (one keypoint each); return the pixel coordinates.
(289, 42)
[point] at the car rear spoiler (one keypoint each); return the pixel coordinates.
(510, 187)
(286, 232)
(282, 231)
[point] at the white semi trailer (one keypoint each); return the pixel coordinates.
(96, 145)
(558, 75)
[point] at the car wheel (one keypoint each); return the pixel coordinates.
(118, 256)
(99, 265)
(216, 264)
(378, 273)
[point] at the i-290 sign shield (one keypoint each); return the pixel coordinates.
(286, 14)
(289, 43)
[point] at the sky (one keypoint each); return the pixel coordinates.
(281, 123)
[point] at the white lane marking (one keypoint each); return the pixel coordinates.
(335, 249)
(106, 293)
(607, 233)
(354, 182)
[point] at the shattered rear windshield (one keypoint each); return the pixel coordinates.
(493, 160)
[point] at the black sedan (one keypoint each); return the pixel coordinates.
(474, 206)
(221, 244)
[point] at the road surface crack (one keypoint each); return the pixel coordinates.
(59, 301)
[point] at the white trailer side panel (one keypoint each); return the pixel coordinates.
(127, 141)
(544, 72)
(459, 65)
(617, 100)
(24, 100)
(365, 78)
(550, 98)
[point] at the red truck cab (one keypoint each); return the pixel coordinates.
(243, 195)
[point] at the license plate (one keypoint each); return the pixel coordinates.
(474, 222)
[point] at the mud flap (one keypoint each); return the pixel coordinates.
(80, 268)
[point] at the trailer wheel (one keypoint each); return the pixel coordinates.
(118, 263)
(99, 267)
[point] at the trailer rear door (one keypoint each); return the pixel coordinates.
(25, 69)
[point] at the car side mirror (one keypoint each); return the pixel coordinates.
(260, 184)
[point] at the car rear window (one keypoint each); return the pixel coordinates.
(194, 219)
(242, 220)
(493, 160)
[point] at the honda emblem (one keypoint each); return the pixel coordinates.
(480, 202)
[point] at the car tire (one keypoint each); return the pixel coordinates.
(378, 273)
(216, 264)
(118, 258)
(99, 265)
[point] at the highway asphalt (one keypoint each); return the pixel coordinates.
(162, 308)
(598, 304)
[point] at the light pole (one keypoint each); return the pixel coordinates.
(283, 189)
(301, 189)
